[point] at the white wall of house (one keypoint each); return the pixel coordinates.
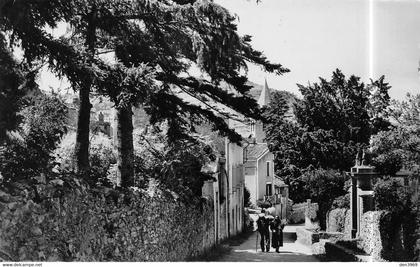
(235, 171)
(251, 182)
(263, 179)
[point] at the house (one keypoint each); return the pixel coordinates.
(258, 161)
(227, 189)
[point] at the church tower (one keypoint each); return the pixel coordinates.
(258, 128)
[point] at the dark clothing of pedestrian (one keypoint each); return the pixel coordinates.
(277, 236)
(263, 228)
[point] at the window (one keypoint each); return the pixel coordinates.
(222, 187)
(268, 189)
(237, 218)
(268, 168)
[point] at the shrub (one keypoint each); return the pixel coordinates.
(341, 202)
(176, 165)
(29, 150)
(323, 187)
(13, 87)
(101, 157)
(396, 148)
(390, 195)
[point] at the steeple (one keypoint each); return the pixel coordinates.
(265, 95)
(258, 127)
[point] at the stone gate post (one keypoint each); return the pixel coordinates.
(361, 194)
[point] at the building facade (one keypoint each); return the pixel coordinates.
(258, 162)
(226, 192)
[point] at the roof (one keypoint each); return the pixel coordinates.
(255, 151)
(278, 181)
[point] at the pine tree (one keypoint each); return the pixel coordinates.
(11, 78)
(16, 82)
(27, 22)
(169, 37)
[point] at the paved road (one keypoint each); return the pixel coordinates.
(290, 252)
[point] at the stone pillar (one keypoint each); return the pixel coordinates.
(311, 220)
(353, 206)
(114, 128)
(361, 185)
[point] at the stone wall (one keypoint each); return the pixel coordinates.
(336, 220)
(306, 237)
(381, 235)
(311, 216)
(289, 208)
(71, 222)
(339, 220)
(370, 234)
(386, 237)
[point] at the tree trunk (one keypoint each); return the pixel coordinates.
(125, 149)
(82, 137)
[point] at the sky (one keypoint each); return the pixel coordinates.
(314, 37)
(366, 38)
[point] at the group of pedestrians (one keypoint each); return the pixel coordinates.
(266, 223)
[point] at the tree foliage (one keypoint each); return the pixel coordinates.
(395, 198)
(390, 195)
(15, 82)
(323, 186)
(101, 156)
(169, 38)
(176, 165)
(400, 146)
(406, 113)
(333, 120)
(345, 106)
(29, 152)
(393, 150)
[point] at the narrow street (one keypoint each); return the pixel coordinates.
(291, 251)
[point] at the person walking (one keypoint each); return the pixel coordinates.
(263, 224)
(277, 236)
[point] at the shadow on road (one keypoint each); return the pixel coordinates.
(289, 237)
(251, 256)
(246, 248)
